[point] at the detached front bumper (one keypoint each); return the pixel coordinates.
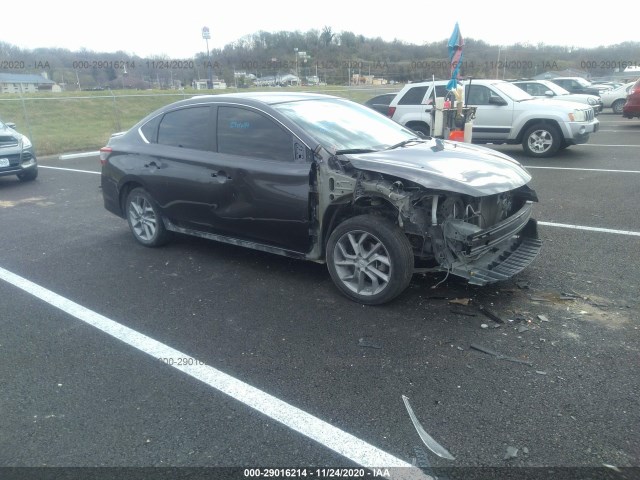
(496, 253)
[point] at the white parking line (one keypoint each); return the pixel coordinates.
(584, 169)
(590, 229)
(605, 145)
(69, 169)
(331, 437)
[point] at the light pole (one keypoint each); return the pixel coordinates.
(297, 76)
(207, 35)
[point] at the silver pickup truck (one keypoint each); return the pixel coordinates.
(504, 114)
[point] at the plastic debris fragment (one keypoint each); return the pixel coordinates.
(431, 444)
(499, 356)
(490, 314)
(460, 301)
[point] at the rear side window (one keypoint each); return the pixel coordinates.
(251, 134)
(186, 128)
(150, 129)
(414, 96)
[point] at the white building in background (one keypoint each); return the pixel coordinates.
(26, 83)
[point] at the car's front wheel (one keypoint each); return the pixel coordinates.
(145, 219)
(541, 140)
(370, 259)
(28, 175)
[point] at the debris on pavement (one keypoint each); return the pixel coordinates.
(542, 318)
(431, 444)
(484, 325)
(522, 285)
(460, 301)
(522, 329)
(499, 356)
(512, 452)
(490, 314)
(459, 311)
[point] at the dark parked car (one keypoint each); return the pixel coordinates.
(579, 85)
(380, 103)
(324, 179)
(16, 154)
(631, 107)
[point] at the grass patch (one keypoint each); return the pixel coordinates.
(81, 121)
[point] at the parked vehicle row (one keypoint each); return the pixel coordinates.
(504, 114)
(548, 89)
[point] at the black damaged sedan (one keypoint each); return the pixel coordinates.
(321, 178)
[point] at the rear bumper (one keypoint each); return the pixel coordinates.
(496, 253)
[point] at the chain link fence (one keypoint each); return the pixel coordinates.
(65, 123)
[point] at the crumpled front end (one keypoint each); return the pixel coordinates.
(484, 240)
(466, 224)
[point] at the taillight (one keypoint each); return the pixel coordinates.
(391, 111)
(104, 154)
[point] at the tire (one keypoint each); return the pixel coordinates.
(369, 259)
(541, 140)
(617, 105)
(145, 219)
(28, 175)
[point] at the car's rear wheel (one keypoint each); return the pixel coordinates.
(541, 140)
(370, 259)
(145, 219)
(617, 105)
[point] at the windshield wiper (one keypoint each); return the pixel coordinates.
(405, 142)
(354, 150)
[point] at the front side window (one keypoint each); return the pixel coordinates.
(251, 134)
(478, 95)
(186, 128)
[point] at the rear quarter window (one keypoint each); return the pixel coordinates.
(413, 96)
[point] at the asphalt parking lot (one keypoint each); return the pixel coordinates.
(206, 355)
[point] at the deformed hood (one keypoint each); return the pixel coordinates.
(451, 166)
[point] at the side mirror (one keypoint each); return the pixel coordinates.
(548, 93)
(10, 125)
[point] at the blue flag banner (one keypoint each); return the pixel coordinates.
(456, 42)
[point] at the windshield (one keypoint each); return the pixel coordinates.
(512, 91)
(339, 124)
(583, 82)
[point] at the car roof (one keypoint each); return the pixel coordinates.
(269, 98)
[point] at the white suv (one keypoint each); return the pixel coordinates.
(504, 114)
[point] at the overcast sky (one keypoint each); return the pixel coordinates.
(174, 28)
